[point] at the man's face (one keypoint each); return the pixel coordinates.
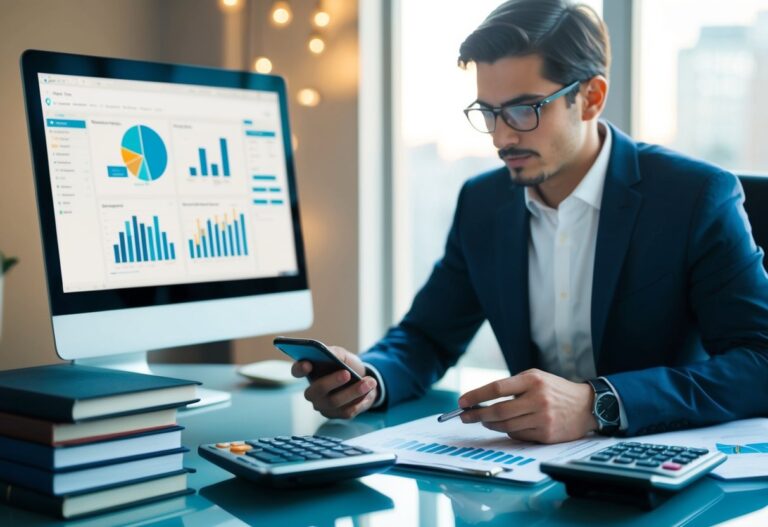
(554, 146)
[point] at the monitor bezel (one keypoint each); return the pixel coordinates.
(35, 62)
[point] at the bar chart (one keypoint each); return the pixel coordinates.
(141, 242)
(471, 453)
(206, 169)
(454, 445)
(219, 237)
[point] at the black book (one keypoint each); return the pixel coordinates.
(70, 392)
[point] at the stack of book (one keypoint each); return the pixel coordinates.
(78, 440)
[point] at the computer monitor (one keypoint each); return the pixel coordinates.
(167, 202)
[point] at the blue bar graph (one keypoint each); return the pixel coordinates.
(204, 169)
(498, 457)
(219, 237)
(139, 242)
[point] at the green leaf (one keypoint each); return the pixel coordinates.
(6, 263)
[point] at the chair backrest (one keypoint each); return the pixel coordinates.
(756, 205)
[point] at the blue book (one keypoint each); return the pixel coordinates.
(112, 450)
(103, 499)
(70, 392)
(92, 476)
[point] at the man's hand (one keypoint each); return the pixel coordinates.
(546, 408)
(346, 403)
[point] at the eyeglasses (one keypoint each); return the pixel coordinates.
(520, 117)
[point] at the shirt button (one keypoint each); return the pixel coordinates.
(567, 348)
(564, 295)
(563, 239)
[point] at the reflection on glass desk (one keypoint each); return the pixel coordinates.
(394, 499)
(320, 506)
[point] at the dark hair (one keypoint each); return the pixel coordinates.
(571, 38)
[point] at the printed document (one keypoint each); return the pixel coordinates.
(745, 443)
(472, 449)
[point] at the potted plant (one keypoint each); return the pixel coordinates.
(5, 266)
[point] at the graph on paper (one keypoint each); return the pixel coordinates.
(499, 457)
(749, 448)
(425, 443)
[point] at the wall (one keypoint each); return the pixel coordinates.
(169, 31)
(326, 165)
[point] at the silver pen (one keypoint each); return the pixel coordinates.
(482, 472)
(457, 412)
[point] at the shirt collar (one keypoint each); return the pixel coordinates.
(590, 188)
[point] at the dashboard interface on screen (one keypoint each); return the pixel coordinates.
(159, 183)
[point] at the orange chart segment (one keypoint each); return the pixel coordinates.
(132, 160)
(135, 166)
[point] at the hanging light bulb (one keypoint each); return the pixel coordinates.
(262, 65)
(281, 14)
(308, 97)
(321, 17)
(230, 5)
(316, 44)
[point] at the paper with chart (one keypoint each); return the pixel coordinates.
(429, 444)
(745, 443)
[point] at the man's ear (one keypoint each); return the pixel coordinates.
(595, 93)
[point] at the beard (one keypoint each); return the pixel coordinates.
(516, 174)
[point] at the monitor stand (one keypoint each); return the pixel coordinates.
(137, 362)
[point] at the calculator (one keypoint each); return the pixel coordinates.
(295, 461)
(640, 473)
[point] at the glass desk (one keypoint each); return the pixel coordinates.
(397, 499)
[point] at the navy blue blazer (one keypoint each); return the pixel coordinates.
(679, 295)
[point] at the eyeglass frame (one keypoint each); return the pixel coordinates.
(537, 106)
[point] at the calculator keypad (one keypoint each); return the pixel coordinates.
(285, 449)
(647, 457)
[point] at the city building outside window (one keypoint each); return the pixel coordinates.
(702, 78)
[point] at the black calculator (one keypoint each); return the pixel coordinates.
(295, 461)
(640, 473)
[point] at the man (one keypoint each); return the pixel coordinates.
(593, 257)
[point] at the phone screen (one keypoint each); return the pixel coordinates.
(324, 362)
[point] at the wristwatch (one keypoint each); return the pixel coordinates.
(605, 407)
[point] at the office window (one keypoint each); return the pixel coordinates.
(435, 148)
(702, 78)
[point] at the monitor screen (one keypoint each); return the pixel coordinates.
(167, 201)
(157, 183)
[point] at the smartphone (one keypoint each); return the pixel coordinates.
(323, 360)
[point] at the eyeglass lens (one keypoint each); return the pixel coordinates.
(520, 118)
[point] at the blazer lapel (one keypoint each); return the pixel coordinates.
(618, 213)
(511, 240)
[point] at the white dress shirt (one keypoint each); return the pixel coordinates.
(561, 263)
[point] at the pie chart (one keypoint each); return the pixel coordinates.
(144, 153)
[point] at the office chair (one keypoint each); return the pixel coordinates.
(756, 205)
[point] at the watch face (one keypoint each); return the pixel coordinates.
(607, 408)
